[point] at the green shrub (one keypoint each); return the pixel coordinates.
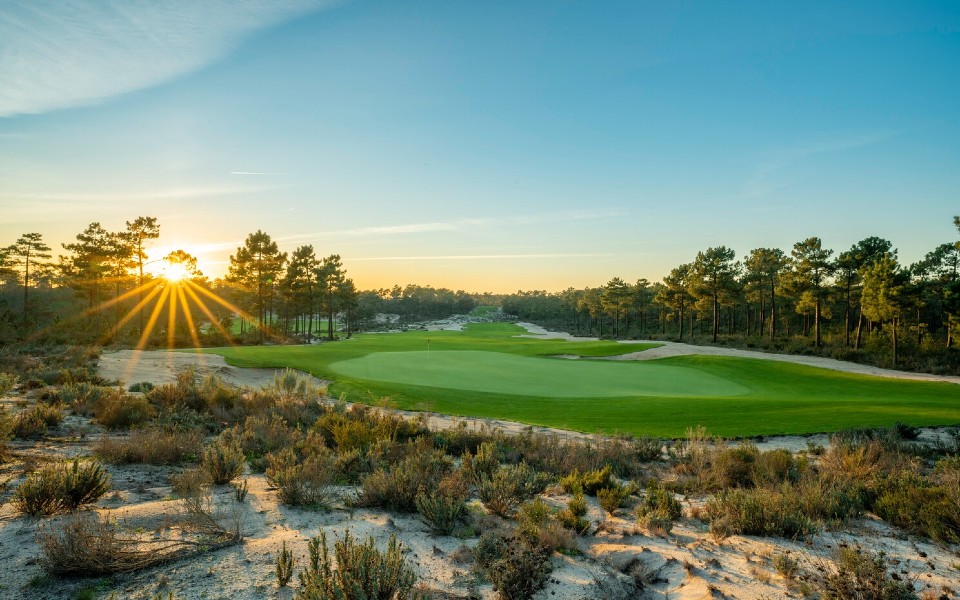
(521, 571)
(61, 486)
(658, 498)
(922, 508)
(305, 482)
(363, 572)
(441, 512)
(510, 486)
(612, 498)
(397, 488)
(758, 512)
(537, 524)
(490, 547)
(483, 464)
(284, 566)
(590, 482)
(222, 461)
(572, 517)
(143, 387)
(8, 381)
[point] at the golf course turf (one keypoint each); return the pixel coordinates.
(485, 371)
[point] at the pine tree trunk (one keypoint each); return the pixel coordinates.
(856, 344)
(846, 316)
(893, 323)
(680, 321)
(773, 310)
(816, 324)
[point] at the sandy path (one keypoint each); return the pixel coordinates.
(669, 349)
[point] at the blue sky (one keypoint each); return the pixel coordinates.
(483, 145)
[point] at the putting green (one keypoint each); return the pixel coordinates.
(499, 373)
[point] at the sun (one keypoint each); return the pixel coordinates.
(175, 272)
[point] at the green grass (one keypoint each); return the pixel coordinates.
(499, 373)
(486, 372)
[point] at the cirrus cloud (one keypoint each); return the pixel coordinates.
(63, 53)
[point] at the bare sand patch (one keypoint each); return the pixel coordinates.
(159, 367)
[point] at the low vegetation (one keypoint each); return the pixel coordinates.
(361, 571)
(529, 497)
(61, 486)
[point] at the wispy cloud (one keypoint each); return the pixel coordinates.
(184, 193)
(460, 224)
(384, 230)
(63, 53)
(763, 182)
(487, 256)
(254, 173)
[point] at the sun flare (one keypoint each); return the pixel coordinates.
(174, 272)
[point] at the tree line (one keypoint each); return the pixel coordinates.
(102, 290)
(859, 304)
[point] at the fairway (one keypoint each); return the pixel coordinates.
(498, 373)
(485, 371)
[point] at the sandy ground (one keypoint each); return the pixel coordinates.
(688, 563)
(159, 367)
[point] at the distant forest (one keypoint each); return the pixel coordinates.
(859, 304)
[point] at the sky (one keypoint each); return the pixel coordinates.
(485, 146)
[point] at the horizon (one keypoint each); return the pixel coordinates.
(588, 142)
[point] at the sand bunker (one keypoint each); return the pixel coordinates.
(159, 367)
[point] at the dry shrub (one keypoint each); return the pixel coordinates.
(536, 522)
(517, 568)
(6, 428)
(151, 446)
(188, 482)
(122, 411)
(261, 435)
(786, 565)
(446, 506)
(510, 486)
(28, 425)
(397, 487)
(362, 571)
(859, 462)
(201, 512)
(222, 460)
(87, 546)
(82, 397)
(758, 512)
(302, 482)
(291, 383)
(61, 486)
(862, 575)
